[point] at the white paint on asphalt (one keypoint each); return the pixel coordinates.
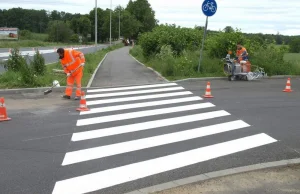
(123, 147)
(79, 136)
(31, 53)
(130, 88)
(140, 105)
(107, 178)
(132, 115)
(132, 92)
(144, 97)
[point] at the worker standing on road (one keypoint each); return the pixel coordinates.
(70, 60)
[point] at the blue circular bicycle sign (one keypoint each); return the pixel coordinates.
(209, 7)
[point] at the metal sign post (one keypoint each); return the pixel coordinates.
(209, 8)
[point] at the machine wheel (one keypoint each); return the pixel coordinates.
(231, 78)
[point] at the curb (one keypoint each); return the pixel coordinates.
(216, 174)
(150, 68)
(95, 71)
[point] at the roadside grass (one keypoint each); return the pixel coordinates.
(27, 78)
(186, 65)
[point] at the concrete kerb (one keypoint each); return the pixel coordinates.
(93, 76)
(149, 68)
(216, 174)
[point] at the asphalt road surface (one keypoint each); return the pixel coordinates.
(138, 136)
(49, 53)
(120, 69)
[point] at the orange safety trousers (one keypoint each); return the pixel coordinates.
(70, 82)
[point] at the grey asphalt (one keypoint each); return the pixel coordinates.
(119, 68)
(256, 103)
(52, 57)
(34, 143)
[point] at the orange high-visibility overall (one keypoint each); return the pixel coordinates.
(72, 59)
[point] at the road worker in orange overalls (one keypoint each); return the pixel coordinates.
(242, 58)
(70, 60)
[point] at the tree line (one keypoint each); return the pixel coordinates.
(137, 17)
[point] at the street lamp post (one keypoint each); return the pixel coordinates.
(96, 25)
(110, 23)
(119, 22)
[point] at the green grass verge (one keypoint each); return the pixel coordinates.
(186, 65)
(10, 79)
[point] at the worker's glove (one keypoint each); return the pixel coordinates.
(68, 74)
(82, 64)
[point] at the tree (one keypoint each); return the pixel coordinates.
(295, 45)
(142, 11)
(59, 31)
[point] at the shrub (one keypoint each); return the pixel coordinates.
(15, 61)
(38, 64)
(178, 38)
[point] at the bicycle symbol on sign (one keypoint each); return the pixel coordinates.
(210, 6)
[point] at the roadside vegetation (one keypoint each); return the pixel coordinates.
(21, 74)
(174, 52)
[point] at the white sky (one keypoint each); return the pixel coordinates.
(252, 16)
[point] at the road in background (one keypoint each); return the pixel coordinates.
(49, 53)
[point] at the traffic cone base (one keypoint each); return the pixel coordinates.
(207, 91)
(3, 113)
(288, 87)
(82, 106)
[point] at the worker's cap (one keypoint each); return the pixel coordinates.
(60, 50)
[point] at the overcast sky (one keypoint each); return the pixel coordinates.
(252, 16)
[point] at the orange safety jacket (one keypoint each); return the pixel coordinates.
(72, 59)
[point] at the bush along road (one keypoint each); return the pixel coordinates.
(175, 52)
(21, 74)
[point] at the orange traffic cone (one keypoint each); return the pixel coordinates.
(83, 106)
(288, 87)
(208, 92)
(3, 113)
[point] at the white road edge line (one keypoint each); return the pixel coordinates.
(107, 178)
(143, 97)
(129, 146)
(140, 105)
(79, 136)
(139, 114)
(132, 92)
(130, 87)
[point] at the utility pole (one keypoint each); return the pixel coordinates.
(96, 25)
(110, 23)
(119, 22)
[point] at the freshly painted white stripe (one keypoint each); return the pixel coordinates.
(144, 97)
(146, 125)
(123, 147)
(118, 117)
(130, 87)
(132, 92)
(139, 105)
(107, 178)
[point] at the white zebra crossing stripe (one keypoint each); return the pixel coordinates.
(139, 105)
(130, 88)
(146, 125)
(139, 114)
(123, 147)
(132, 92)
(144, 97)
(107, 178)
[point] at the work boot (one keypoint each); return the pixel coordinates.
(77, 98)
(66, 97)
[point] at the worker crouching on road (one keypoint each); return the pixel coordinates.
(72, 62)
